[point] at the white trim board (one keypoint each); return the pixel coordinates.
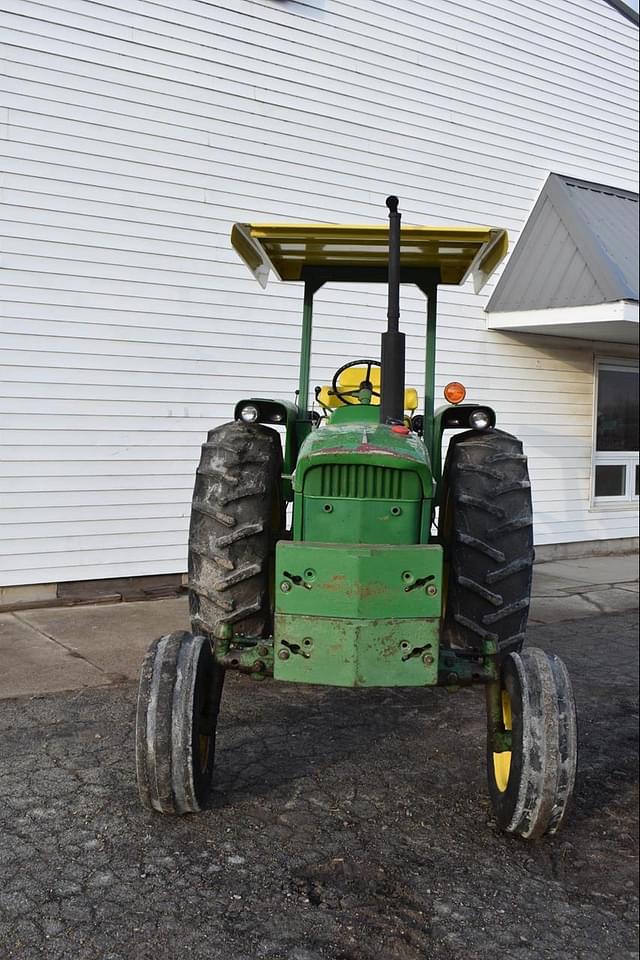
(613, 322)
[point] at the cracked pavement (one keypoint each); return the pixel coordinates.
(346, 825)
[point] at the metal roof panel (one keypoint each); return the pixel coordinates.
(578, 247)
(611, 216)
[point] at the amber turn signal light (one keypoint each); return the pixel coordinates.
(455, 392)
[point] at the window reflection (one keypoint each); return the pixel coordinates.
(618, 426)
(610, 480)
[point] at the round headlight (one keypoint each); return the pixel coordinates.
(479, 419)
(249, 413)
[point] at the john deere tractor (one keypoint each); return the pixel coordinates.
(395, 571)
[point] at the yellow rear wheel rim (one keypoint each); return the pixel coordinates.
(502, 761)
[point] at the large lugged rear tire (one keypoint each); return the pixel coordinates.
(486, 529)
(236, 518)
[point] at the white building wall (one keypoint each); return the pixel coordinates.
(135, 133)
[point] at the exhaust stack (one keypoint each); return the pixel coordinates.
(393, 342)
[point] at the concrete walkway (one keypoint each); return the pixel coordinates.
(68, 648)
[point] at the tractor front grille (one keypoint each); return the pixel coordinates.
(362, 481)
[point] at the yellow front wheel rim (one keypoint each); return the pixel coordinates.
(502, 761)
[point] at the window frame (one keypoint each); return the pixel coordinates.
(629, 459)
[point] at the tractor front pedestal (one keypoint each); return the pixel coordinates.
(357, 615)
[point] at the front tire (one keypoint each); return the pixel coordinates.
(178, 702)
(531, 785)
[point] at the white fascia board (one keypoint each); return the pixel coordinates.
(616, 322)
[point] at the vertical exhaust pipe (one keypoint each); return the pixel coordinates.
(393, 342)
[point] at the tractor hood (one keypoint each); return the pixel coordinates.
(368, 443)
(288, 248)
(362, 483)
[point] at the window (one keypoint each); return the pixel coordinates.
(616, 474)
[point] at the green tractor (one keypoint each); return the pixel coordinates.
(396, 571)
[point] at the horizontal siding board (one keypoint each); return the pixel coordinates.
(110, 383)
(20, 455)
(90, 554)
(211, 30)
(39, 466)
(277, 132)
(461, 338)
(74, 531)
(603, 529)
(184, 418)
(351, 30)
(73, 491)
(482, 22)
(144, 91)
(232, 177)
(225, 197)
(196, 345)
(188, 185)
(137, 563)
(138, 398)
(105, 206)
(443, 129)
(108, 430)
(497, 351)
(136, 133)
(202, 81)
(34, 507)
(95, 542)
(28, 117)
(307, 72)
(247, 378)
(229, 50)
(238, 152)
(184, 414)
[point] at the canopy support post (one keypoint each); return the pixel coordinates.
(311, 285)
(430, 365)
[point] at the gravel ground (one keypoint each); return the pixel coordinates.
(350, 825)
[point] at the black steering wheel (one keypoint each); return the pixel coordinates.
(364, 384)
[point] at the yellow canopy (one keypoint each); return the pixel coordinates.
(286, 248)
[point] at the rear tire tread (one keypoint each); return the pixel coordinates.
(494, 598)
(240, 533)
(522, 604)
(493, 508)
(232, 535)
(520, 563)
(481, 546)
(487, 532)
(476, 628)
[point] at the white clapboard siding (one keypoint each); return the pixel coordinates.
(134, 133)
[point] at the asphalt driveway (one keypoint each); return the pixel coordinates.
(350, 825)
